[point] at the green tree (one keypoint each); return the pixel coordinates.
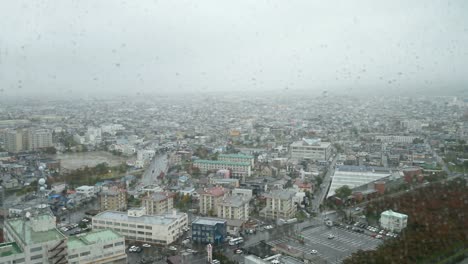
(343, 192)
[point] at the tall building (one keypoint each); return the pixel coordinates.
(113, 200)
(280, 205)
(393, 221)
(209, 198)
(136, 225)
(158, 202)
(27, 139)
(39, 139)
(312, 149)
(13, 140)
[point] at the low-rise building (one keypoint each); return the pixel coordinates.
(238, 170)
(280, 205)
(158, 203)
(233, 207)
(393, 221)
(209, 198)
(136, 225)
(113, 200)
(86, 191)
(312, 149)
(237, 158)
(209, 230)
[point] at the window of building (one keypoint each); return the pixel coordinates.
(36, 249)
(36, 257)
(72, 256)
(119, 243)
(108, 246)
(108, 223)
(140, 226)
(21, 260)
(85, 253)
(149, 227)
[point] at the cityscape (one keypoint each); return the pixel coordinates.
(246, 132)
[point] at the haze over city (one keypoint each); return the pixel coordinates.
(126, 47)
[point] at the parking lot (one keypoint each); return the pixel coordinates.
(332, 250)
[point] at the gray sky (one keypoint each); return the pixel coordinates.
(87, 46)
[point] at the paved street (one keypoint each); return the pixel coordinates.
(322, 192)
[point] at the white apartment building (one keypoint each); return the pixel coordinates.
(209, 198)
(234, 207)
(39, 138)
(239, 170)
(86, 191)
(136, 225)
(313, 149)
(13, 141)
(393, 221)
(280, 205)
(158, 203)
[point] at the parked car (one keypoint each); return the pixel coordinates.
(331, 236)
(238, 251)
(172, 248)
(313, 252)
(146, 245)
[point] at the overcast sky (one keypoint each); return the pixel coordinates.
(86, 46)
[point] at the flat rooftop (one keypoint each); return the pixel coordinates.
(165, 219)
(236, 156)
(222, 162)
(91, 238)
(209, 221)
(8, 249)
(29, 236)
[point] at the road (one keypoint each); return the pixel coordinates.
(324, 186)
(158, 165)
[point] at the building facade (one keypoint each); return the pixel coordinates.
(238, 170)
(209, 198)
(35, 239)
(234, 207)
(393, 221)
(137, 225)
(280, 205)
(113, 200)
(209, 230)
(97, 247)
(312, 149)
(237, 158)
(158, 202)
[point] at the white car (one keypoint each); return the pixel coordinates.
(172, 248)
(331, 236)
(313, 251)
(146, 245)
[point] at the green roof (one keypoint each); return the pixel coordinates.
(222, 162)
(29, 236)
(238, 156)
(10, 248)
(91, 238)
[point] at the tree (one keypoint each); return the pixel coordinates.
(343, 192)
